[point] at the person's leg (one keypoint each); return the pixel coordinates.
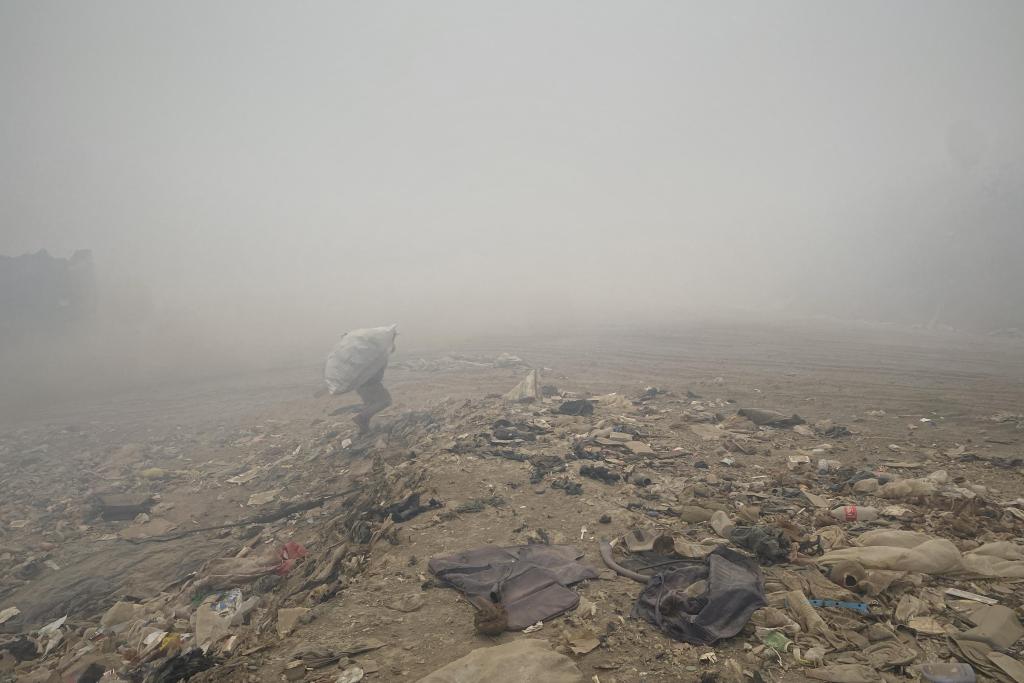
(375, 399)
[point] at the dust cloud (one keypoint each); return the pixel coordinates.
(254, 178)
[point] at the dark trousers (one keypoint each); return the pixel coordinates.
(375, 397)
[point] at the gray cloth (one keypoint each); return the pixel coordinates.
(529, 581)
(735, 589)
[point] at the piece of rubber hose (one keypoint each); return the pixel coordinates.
(606, 555)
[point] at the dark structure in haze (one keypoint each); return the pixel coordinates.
(43, 294)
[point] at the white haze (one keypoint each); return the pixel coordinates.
(256, 177)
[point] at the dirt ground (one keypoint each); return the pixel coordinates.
(201, 434)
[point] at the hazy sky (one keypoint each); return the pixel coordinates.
(378, 161)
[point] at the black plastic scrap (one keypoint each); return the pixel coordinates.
(571, 488)
(529, 581)
(179, 668)
(768, 543)
(835, 432)
(408, 508)
(770, 418)
(601, 473)
(734, 590)
(581, 407)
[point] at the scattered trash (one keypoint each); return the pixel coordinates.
(721, 523)
(774, 639)
(834, 602)
(798, 461)
(582, 642)
(847, 574)
(957, 593)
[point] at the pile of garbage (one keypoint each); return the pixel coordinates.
(718, 542)
(840, 572)
(218, 620)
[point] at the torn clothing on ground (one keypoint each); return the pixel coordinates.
(733, 589)
(529, 581)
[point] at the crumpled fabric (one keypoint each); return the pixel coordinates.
(936, 556)
(914, 551)
(529, 581)
(734, 590)
(1001, 558)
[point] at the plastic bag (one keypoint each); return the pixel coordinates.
(359, 356)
